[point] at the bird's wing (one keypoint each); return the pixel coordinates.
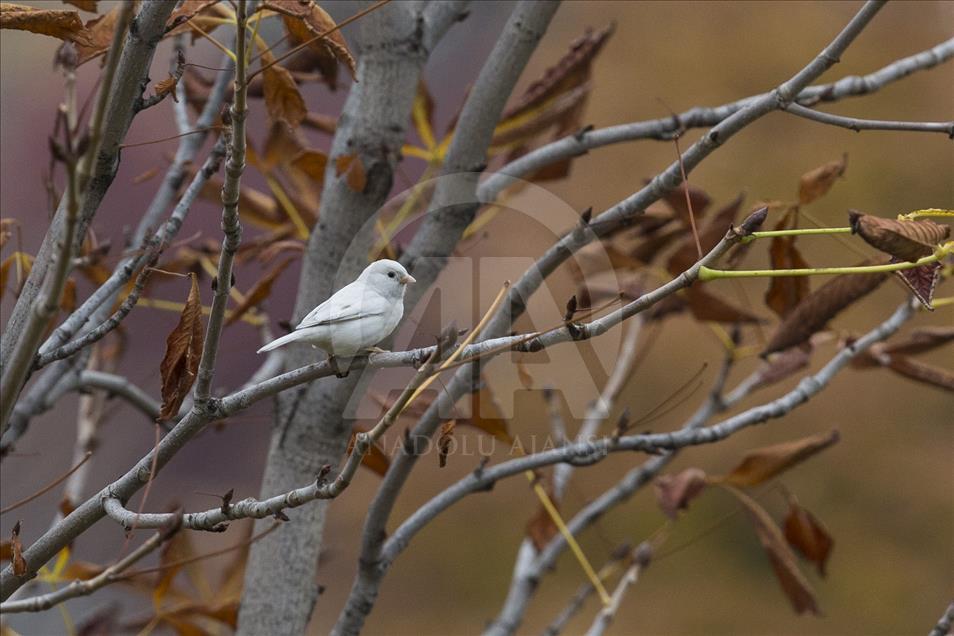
(349, 303)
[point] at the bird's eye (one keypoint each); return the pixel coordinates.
(390, 274)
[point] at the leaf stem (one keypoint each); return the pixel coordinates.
(707, 274)
(796, 232)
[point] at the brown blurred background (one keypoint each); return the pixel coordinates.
(885, 492)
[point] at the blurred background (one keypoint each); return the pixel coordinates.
(885, 492)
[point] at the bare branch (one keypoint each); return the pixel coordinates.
(85, 588)
(663, 129)
(853, 123)
(640, 559)
(18, 363)
(944, 624)
(231, 227)
(591, 452)
(133, 67)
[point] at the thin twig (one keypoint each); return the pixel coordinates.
(856, 124)
(50, 486)
(85, 588)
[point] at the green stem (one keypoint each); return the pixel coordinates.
(796, 232)
(707, 274)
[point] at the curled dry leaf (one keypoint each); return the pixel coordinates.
(569, 72)
(353, 169)
(922, 281)
(807, 535)
(187, 10)
(793, 582)
(183, 353)
(762, 464)
(444, 441)
(922, 372)
(167, 87)
(16, 552)
(816, 309)
(100, 35)
(259, 292)
(282, 100)
(674, 492)
(375, 459)
(306, 20)
(62, 24)
(785, 292)
(818, 182)
(905, 240)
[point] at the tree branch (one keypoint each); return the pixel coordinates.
(853, 123)
(591, 452)
(85, 588)
(944, 624)
(18, 364)
(665, 128)
(231, 227)
(141, 39)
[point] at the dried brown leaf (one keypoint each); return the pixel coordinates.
(283, 101)
(807, 535)
(762, 464)
(183, 353)
(167, 87)
(784, 364)
(16, 552)
(816, 183)
(187, 10)
(709, 236)
(816, 309)
(785, 292)
(922, 372)
(261, 290)
(676, 200)
(674, 492)
(353, 169)
(905, 240)
(85, 5)
(255, 207)
(444, 441)
(922, 281)
(100, 36)
(569, 72)
(281, 145)
(922, 340)
(62, 24)
(709, 307)
(793, 582)
(306, 20)
(312, 163)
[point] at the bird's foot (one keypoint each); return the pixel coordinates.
(376, 350)
(333, 362)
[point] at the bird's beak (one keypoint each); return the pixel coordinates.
(407, 279)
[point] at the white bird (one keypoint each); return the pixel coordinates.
(357, 316)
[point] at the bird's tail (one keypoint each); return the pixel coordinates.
(280, 342)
